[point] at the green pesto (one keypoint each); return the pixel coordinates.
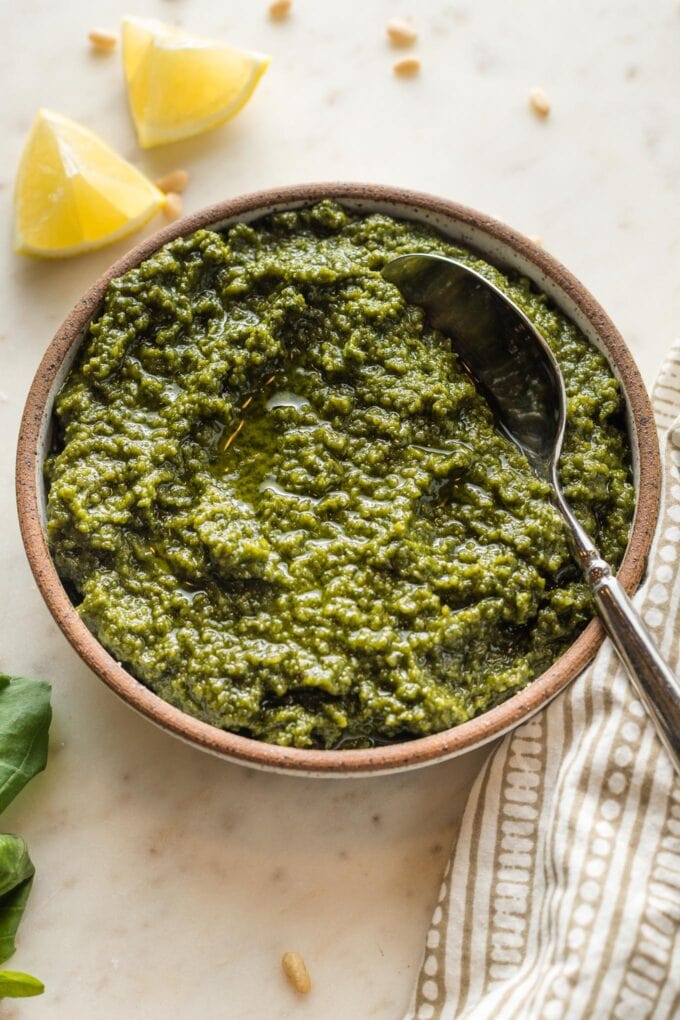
(280, 502)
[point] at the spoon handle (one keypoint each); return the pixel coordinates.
(654, 681)
(652, 677)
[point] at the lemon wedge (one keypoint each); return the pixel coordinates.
(179, 84)
(73, 193)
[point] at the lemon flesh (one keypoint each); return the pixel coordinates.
(73, 193)
(179, 84)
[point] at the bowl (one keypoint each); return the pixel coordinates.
(495, 242)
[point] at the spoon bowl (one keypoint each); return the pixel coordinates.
(500, 347)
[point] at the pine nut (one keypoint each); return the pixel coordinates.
(172, 206)
(539, 103)
(280, 9)
(401, 33)
(295, 970)
(102, 41)
(407, 68)
(176, 181)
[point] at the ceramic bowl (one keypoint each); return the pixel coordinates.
(497, 243)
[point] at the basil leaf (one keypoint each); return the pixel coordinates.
(25, 716)
(19, 986)
(16, 877)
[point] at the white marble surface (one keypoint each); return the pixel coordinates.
(169, 883)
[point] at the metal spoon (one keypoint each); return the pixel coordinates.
(516, 371)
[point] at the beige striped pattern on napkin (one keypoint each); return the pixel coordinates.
(562, 897)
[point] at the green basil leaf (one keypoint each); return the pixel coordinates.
(16, 877)
(15, 864)
(25, 716)
(16, 985)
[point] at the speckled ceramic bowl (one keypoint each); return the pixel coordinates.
(497, 243)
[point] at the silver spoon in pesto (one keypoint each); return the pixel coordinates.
(519, 376)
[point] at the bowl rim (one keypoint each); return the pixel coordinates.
(387, 758)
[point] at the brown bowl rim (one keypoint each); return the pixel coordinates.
(392, 757)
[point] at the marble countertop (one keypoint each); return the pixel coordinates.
(169, 883)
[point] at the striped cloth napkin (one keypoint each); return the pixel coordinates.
(562, 896)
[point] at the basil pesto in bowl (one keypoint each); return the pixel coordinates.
(276, 498)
